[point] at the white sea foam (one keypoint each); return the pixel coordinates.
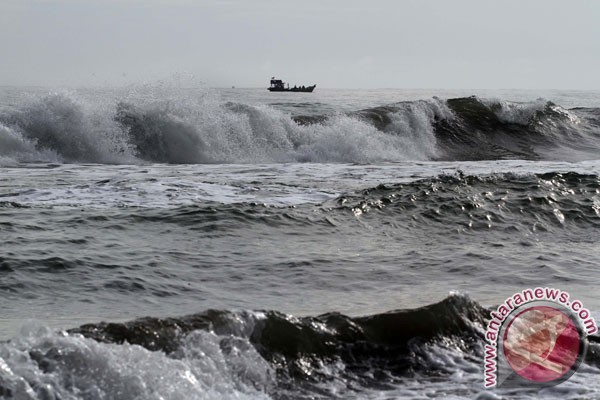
(14, 148)
(65, 127)
(199, 127)
(42, 364)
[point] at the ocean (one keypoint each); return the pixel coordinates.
(164, 242)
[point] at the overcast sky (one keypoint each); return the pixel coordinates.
(335, 43)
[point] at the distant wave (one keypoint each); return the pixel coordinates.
(160, 135)
(60, 128)
(486, 129)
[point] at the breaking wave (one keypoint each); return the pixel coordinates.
(58, 128)
(63, 128)
(226, 354)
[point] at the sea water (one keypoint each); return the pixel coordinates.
(179, 243)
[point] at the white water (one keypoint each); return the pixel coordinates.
(367, 274)
(200, 128)
(42, 364)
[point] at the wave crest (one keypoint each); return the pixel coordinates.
(58, 126)
(160, 135)
(226, 354)
(61, 127)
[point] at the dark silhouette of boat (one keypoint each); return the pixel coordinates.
(277, 85)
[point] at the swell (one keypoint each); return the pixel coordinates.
(553, 202)
(63, 128)
(548, 202)
(511, 202)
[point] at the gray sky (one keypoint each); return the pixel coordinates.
(334, 43)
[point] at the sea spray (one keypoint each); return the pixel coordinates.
(182, 129)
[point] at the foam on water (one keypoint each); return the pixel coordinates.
(119, 186)
(42, 364)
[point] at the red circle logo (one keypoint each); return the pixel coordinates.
(542, 344)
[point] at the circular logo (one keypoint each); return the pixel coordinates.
(543, 344)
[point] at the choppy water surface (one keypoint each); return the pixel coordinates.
(343, 244)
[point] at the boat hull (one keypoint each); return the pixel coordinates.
(307, 89)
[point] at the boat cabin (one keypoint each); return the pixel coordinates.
(277, 84)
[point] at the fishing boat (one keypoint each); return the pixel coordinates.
(277, 85)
